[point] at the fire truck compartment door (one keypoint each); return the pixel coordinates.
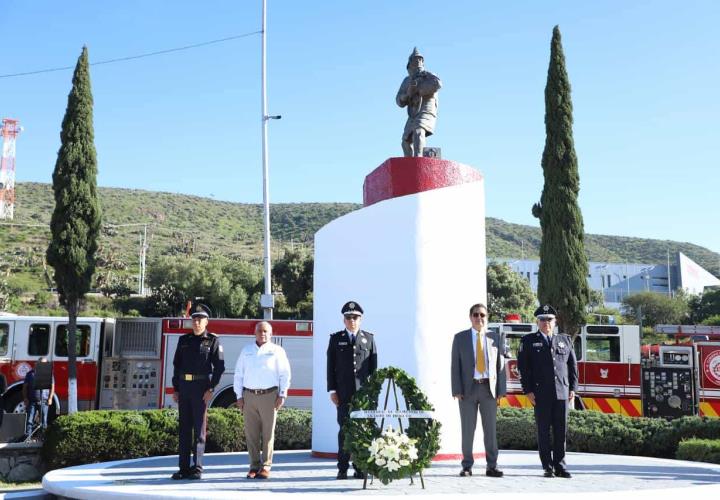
(709, 368)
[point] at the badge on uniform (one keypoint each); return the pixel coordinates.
(561, 345)
(343, 343)
(364, 340)
(537, 344)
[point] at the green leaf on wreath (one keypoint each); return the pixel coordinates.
(359, 433)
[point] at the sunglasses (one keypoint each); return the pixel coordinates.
(546, 320)
(352, 316)
(479, 315)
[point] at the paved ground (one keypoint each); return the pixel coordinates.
(296, 472)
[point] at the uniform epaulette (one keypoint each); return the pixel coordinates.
(212, 334)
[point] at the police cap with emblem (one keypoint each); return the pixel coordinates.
(352, 308)
(200, 311)
(545, 312)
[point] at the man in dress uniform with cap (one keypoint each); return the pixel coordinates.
(549, 377)
(351, 359)
(197, 367)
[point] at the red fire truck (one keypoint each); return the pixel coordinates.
(127, 363)
(665, 381)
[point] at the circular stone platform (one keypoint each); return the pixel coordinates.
(297, 473)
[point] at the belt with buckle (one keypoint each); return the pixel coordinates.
(189, 377)
(480, 380)
(260, 391)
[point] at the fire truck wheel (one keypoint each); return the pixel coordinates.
(225, 400)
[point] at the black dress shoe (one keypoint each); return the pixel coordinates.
(358, 475)
(493, 472)
(466, 471)
(548, 472)
(563, 473)
(342, 474)
(181, 474)
(194, 475)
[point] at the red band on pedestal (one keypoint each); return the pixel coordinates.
(403, 176)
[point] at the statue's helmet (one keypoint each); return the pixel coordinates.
(415, 54)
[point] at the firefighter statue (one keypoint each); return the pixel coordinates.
(418, 92)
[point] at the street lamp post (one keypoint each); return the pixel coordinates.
(267, 300)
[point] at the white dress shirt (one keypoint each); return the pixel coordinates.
(486, 373)
(261, 368)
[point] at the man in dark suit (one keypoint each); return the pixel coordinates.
(351, 359)
(478, 379)
(549, 376)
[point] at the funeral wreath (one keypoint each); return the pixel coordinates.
(389, 454)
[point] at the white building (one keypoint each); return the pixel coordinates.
(618, 280)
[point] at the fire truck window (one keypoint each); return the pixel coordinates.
(82, 341)
(4, 332)
(577, 346)
(603, 348)
(39, 340)
(513, 343)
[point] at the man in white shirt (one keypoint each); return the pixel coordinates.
(262, 379)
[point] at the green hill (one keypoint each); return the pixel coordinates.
(189, 224)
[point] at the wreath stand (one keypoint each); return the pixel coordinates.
(391, 384)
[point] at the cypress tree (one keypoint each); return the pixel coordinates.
(75, 222)
(562, 278)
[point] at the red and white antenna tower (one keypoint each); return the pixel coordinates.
(9, 131)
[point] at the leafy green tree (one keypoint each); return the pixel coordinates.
(224, 284)
(508, 292)
(294, 273)
(562, 279)
(606, 315)
(4, 294)
(713, 320)
(709, 304)
(595, 299)
(655, 308)
(75, 222)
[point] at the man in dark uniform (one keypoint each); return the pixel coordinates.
(549, 376)
(198, 365)
(351, 359)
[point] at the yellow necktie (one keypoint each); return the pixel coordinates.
(480, 359)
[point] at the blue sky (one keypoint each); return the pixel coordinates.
(644, 74)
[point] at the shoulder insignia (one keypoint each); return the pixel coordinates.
(210, 334)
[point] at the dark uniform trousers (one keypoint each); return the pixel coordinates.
(197, 367)
(550, 373)
(193, 423)
(349, 364)
(551, 412)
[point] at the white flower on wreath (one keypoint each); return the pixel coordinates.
(392, 466)
(374, 447)
(392, 450)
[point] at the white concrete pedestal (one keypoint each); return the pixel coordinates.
(414, 258)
